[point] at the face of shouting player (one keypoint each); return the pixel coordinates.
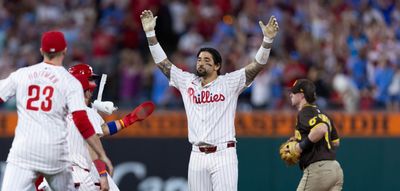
(205, 65)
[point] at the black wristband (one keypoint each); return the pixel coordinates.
(306, 143)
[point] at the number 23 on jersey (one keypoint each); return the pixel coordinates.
(39, 98)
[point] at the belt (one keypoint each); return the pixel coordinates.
(213, 148)
(77, 185)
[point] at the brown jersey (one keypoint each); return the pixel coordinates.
(309, 117)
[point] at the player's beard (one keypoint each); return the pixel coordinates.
(201, 72)
(88, 97)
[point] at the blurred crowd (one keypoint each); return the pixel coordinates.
(349, 48)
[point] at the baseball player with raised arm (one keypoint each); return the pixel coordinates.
(88, 175)
(210, 101)
(46, 93)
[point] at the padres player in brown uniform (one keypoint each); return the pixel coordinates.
(317, 140)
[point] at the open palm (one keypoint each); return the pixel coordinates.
(148, 20)
(271, 29)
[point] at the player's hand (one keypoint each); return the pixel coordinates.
(106, 107)
(148, 20)
(104, 184)
(106, 160)
(271, 29)
(288, 152)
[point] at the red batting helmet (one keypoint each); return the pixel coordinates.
(84, 73)
(83, 69)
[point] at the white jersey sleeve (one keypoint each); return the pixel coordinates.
(75, 98)
(8, 87)
(236, 80)
(96, 120)
(179, 77)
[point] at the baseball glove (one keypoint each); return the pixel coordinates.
(288, 152)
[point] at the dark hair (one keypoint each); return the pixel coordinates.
(306, 87)
(215, 55)
(52, 55)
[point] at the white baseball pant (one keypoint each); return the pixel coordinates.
(17, 178)
(216, 171)
(82, 180)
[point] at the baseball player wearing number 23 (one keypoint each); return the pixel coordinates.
(46, 93)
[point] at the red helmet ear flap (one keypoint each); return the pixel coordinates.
(83, 80)
(92, 86)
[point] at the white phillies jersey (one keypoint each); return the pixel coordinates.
(210, 109)
(77, 145)
(45, 94)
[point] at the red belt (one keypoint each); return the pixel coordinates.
(213, 149)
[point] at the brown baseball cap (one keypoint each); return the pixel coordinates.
(306, 87)
(53, 41)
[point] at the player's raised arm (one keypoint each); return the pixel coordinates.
(159, 56)
(269, 31)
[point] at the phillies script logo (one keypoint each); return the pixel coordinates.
(205, 97)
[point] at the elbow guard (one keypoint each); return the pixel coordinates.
(83, 124)
(158, 53)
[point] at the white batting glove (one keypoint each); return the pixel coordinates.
(106, 107)
(271, 29)
(148, 21)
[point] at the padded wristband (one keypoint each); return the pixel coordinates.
(306, 143)
(150, 33)
(101, 167)
(112, 127)
(262, 55)
(268, 40)
(158, 53)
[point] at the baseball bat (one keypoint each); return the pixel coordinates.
(101, 86)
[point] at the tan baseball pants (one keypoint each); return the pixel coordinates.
(326, 175)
